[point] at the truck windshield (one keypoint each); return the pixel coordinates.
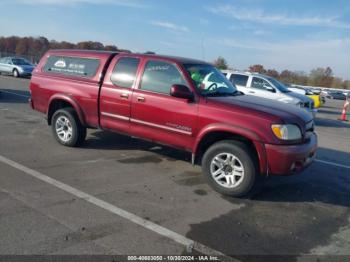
(281, 87)
(209, 80)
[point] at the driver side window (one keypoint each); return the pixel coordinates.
(260, 83)
(159, 76)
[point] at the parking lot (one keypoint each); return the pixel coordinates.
(120, 195)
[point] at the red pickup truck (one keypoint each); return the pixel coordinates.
(184, 103)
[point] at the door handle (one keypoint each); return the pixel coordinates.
(124, 95)
(140, 99)
(252, 92)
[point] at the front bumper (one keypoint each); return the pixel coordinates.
(290, 159)
(24, 73)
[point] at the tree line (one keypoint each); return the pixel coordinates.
(36, 46)
(322, 77)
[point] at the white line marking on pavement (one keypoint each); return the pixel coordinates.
(3, 91)
(189, 243)
(331, 163)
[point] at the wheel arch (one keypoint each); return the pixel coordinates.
(60, 101)
(214, 134)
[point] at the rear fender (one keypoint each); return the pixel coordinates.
(70, 100)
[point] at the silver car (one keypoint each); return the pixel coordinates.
(15, 66)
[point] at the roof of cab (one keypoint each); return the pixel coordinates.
(98, 53)
(182, 60)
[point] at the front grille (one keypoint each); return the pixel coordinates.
(309, 105)
(309, 130)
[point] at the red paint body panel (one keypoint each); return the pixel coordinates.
(169, 120)
(281, 158)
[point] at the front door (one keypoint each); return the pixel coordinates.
(158, 116)
(258, 87)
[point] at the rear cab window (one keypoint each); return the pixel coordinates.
(124, 72)
(72, 66)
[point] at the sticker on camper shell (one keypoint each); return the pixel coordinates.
(76, 66)
(60, 63)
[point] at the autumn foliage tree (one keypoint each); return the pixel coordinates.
(257, 69)
(35, 47)
(221, 63)
(273, 73)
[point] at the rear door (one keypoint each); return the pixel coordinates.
(158, 116)
(116, 93)
(2, 61)
(6, 65)
(240, 81)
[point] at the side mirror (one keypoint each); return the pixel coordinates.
(270, 88)
(181, 91)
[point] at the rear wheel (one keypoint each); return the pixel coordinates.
(230, 168)
(67, 128)
(15, 73)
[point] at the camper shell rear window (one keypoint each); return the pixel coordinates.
(73, 66)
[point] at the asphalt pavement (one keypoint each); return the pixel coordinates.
(118, 195)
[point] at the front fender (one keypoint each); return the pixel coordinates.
(236, 130)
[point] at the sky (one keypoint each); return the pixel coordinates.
(290, 34)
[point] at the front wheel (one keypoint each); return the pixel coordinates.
(230, 168)
(15, 73)
(67, 128)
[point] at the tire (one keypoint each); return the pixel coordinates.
(15, 73)
(67, 128)
(244, 166)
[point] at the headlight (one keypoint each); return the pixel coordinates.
(286, 132)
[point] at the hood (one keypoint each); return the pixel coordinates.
(26, 67)
(302, 98)
(266, 108)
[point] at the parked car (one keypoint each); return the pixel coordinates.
(268, 87)
(318, 101)
(297, 89)
(237, 138)
(339, 95)
(15, 66)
